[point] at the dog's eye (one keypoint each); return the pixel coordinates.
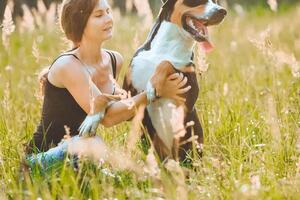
(194, 3)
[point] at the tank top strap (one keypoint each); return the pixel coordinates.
(113, 62)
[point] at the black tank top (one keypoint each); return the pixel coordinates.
(60, 114)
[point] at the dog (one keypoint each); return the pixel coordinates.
(181, 24)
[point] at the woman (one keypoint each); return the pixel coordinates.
(87, 69)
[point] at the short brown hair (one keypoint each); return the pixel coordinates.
(74, 16)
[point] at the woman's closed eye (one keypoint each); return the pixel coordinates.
(102, 12)
(99, 14)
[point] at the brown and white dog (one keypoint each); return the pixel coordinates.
(168, 49)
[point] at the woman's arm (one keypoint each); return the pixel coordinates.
(123, 110)
(67, 72)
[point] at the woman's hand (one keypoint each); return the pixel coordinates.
(174, 87)
(89, 126)
(121, 93)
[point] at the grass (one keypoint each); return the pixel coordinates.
(249, 107)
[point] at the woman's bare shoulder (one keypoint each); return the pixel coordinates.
(64, 68)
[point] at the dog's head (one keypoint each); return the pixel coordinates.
(193, 16)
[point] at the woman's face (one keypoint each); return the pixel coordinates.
(100, 23)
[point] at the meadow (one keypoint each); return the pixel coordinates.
(249, 105)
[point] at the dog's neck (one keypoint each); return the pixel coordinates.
(175, 42)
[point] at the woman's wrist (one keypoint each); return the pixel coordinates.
(151, 93)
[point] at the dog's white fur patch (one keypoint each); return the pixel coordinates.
(172, 44)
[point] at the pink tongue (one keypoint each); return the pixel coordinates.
(206, 46)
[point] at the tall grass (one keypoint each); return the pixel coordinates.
(249, 107)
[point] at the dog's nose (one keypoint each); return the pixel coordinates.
(223, 12)
(218, 16)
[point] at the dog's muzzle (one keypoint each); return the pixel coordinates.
(214, 14)
(196, 24)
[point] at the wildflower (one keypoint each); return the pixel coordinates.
(8, 68)
(273, 5)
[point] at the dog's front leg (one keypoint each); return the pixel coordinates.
(163, 70)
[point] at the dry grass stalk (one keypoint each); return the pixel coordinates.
(272, 119)
(278, 57)
(151, 166)
(28, 21)
(94, 149)
(298, 140)
(8, 27)
(145, 12)
(35, 51)
(178, 177)
(200, 61)
(92, 96)
(135, 131)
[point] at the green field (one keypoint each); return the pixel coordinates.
(249, 106)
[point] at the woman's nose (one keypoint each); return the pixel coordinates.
(109, 18)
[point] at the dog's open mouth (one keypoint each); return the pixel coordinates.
(198, 30)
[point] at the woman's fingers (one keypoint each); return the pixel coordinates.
(179, 99)
(180, 78)
(173, 76)
(177, 77)
(81, 129)
(87, 130)
(84, 128)
(184, 90)
(94, 129)
(109, 97)
(183, 82)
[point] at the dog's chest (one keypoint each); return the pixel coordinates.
(171, 44)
